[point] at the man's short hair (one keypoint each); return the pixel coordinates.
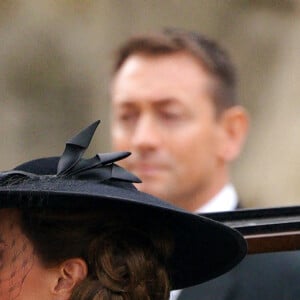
(212, 57)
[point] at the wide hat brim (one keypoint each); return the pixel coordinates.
(204, 249)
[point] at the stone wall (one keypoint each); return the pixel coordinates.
(55, 60)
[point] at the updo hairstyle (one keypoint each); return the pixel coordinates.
(125, 261)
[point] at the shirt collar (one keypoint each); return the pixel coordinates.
(225, 200)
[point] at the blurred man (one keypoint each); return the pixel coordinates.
(174, 107)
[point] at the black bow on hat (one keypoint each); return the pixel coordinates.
(71, 164)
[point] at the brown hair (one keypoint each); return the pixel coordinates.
(211, 56)
(125, 261)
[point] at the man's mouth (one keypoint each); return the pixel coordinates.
(147, 169)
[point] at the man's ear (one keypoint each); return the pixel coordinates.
(234, 123)
(69, 273)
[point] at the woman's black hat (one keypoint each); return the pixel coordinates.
(203, 248)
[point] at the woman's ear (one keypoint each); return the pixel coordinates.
(235, 123)
(70, 272)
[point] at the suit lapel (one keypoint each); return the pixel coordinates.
(220, 288)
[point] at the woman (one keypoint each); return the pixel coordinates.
(74, 228)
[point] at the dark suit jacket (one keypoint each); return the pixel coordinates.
(271, 276)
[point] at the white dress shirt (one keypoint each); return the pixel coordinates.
(225, 200)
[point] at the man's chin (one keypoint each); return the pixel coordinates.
(145, 187)
(152, 188)
(160, 190)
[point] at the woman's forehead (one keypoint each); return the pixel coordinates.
(9, 220)
(11, 234)
(6, 213)
(16, 254)
(10, 231)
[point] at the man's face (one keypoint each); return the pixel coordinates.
(163, 114)
(21, 275)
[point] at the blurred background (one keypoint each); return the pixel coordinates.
(56, 57)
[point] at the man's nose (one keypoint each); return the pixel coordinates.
(146, 133)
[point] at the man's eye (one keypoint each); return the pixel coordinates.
(171, 116)
(127, 117)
